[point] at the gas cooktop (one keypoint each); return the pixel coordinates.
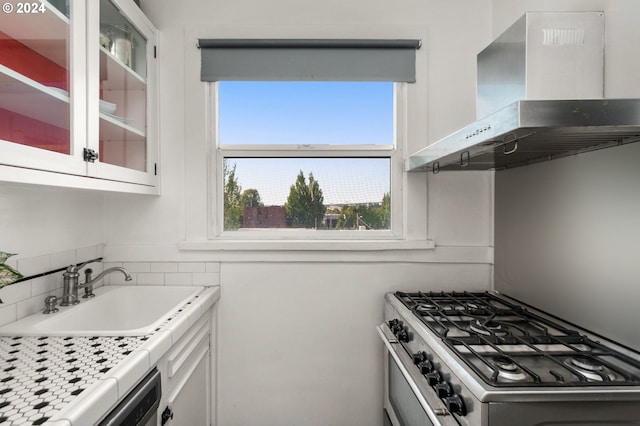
(507, 344)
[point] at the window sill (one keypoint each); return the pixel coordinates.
(305, 245)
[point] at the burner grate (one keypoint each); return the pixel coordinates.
(508, 345)
(556, 361)
(467, 314)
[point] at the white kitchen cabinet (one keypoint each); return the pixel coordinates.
(188, 399)
(78, 78)
(187, 388)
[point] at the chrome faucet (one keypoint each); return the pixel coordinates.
(71, 285)
(89, 282)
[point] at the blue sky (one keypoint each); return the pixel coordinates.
(333, 113)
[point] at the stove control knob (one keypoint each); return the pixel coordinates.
(433, 378)
(396, 326)
(455, 405)
(425, 367)
(443, 389)
(419, 357)
(404, 335)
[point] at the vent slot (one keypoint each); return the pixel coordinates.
(562, 36)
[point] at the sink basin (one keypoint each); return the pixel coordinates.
(115, 311)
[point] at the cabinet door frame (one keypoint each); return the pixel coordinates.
(28, 157)
(104, 170)
(31, 165)
(178, 383)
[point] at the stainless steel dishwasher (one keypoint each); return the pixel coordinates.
(140, 406)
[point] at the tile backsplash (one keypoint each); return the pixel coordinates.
(27, 297)
(166, 273)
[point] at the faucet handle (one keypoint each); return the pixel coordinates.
(72, 270)
(83, 264)
(50, 305)
(88, 287)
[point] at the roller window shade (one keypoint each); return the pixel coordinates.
(308, 60)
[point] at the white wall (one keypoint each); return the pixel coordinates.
(567, 230)
(441, 101)
(566, 239)
(324, 367)
(47, 229)
(39, 220)
(297, 329)
(300, 348)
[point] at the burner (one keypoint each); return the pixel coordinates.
(590, 368)
(508, 370)
(426, 307)
(586, 363)
(505, 364)
(488, 328)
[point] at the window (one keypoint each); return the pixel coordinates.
(307, 157)
(319, 194)
(302, 190)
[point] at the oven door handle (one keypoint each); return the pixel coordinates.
(389, 343)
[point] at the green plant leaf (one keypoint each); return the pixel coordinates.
(8, 275)
(4, 256)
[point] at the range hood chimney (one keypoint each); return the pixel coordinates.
(540, 96)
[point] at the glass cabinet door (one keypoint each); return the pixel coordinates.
(35, 79)
(74, 92)
(122, 90)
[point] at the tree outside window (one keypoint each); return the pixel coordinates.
(305, 205)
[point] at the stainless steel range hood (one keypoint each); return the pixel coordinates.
(530, 131)
(540, 96)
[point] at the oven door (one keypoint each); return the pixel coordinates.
(405, 390)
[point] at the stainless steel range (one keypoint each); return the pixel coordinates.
(481, 359)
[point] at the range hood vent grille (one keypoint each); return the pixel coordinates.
(562, 37)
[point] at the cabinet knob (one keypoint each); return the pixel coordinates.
(167, 415)
(89, 155)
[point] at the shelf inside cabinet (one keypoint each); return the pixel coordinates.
(45, 33)
(24, 96)
(116, 130)
(115, 75)
(59, 148)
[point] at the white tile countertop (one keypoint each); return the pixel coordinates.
(65, 381)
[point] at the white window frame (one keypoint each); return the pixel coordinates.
(395, 152)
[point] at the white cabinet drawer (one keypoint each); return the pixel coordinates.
(187, 381)
(179, 354)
